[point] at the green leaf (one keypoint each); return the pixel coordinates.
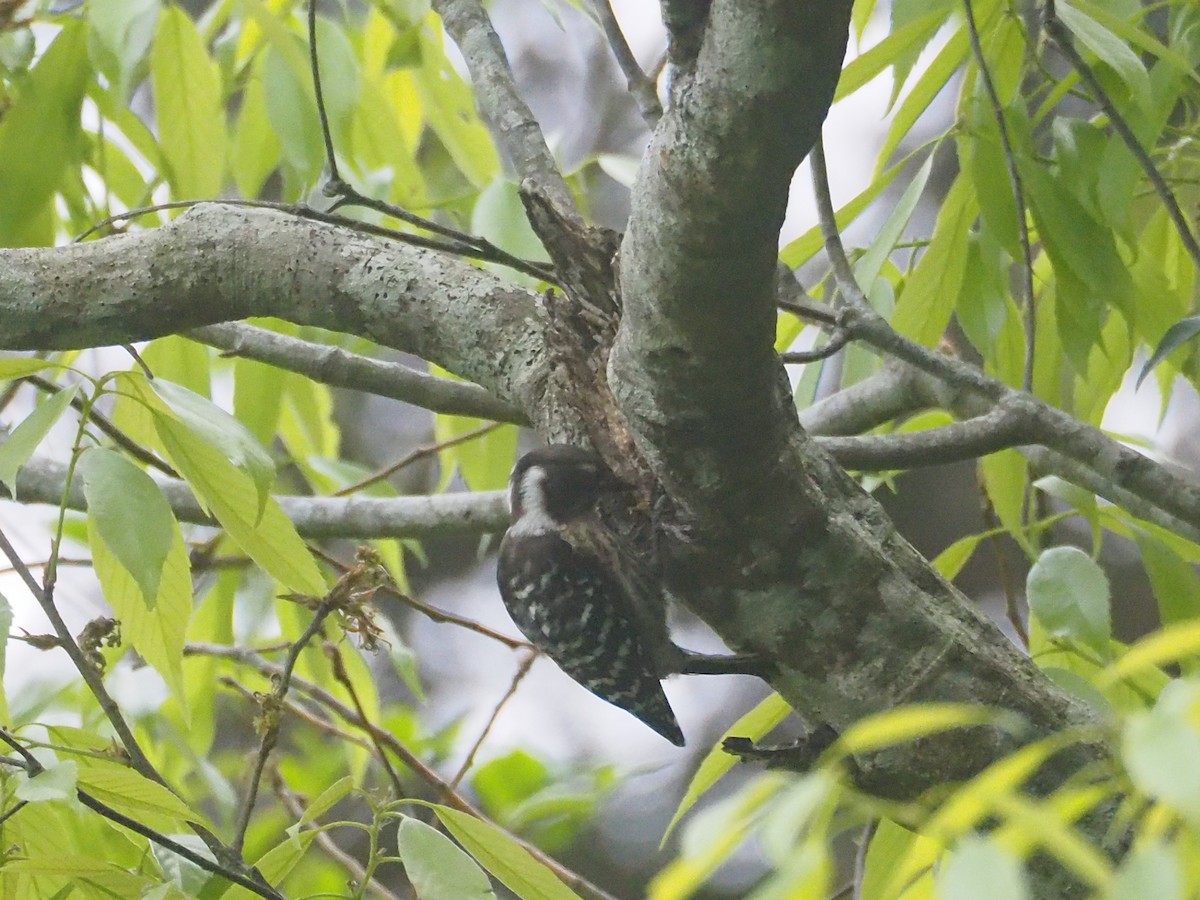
(1068, 593)
(891, 845)
(753, 725)
(188, 103)
(951, 560)
(256, 151)
(119, 35)
(1004, 477)
(909, 723)
(263, 532)
(1110, 49)
(1175, 582)
(157, 625)
(867, 269)
(137, 796)
(906, 39)
(20, 366)
(327, 799)
(924, 306)
(19, 446)
(500, 217)
(57, 782)
(1160, 748)
(1165, 646)
(293, 116)
(221, 430)
(979, 861)
(450, 112)
(436, 867)
(1177, 335)
(40, 138)
(511, 863)
(130, 515)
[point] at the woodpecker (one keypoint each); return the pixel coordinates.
(566, 593)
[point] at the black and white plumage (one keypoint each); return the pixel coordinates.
(565, 592)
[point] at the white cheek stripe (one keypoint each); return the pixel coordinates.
(534, 518)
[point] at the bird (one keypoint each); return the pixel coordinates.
(565, 591)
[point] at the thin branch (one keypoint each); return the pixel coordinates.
(523, 668)
(496, 93)
(641, 87)
(1018, 191)
(837, 341)
(480, 512)
(340, 368)
(1062, 39)
(343, 678)
(414, 456)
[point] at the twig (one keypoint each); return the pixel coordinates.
(343, 678)
(341, 368)
(418, 454)
(271, 715)
(837, 341)
(1062, 39)
(323, 117)
(523, 668)
(641, 87)
(1018, 191)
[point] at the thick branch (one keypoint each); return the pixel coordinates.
(219, 263)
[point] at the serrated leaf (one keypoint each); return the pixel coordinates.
(56, 782)
(156, 628)
(40, 137)
(1068, 593)
(130, 515)
(753, 725)
(137, 796)
(188, 104)
(24, 439)
(221, 430)
(436, 867)
(1177, 335)
(268, 538)
(507, 860)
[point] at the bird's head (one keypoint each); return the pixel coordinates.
(555, 484)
